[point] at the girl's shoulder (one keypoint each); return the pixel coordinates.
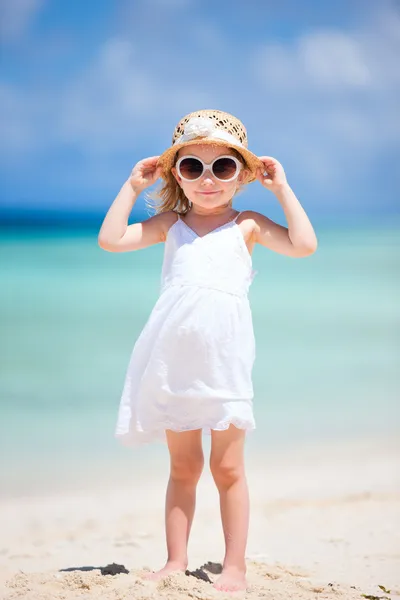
(258, 229)
(254, 219)
(248, 222)
(166, 220)
(248, 215)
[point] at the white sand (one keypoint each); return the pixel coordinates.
(325, 523)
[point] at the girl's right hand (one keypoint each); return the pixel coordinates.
(144, 174)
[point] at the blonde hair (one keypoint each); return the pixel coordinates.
(170, 196)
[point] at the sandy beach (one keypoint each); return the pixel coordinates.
(325, 523)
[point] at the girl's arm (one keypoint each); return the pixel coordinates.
(298, 239)
(115, 234)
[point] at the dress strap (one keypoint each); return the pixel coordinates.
(238, 215)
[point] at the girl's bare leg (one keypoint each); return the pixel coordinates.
(187, 461)
(227, 468)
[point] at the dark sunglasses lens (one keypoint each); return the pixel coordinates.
(191, 168)
(224, 168)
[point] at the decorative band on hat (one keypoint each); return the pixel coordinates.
(203, 127)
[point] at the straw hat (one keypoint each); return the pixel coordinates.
(210, 127)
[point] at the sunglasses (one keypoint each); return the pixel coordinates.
(224, 168)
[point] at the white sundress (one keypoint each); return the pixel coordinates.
(191, 365)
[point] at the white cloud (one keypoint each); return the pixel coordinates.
(324, 104)
(13, 127)
(116, 99)
(333, 59)
(107, 108)
(333, 62)
(169, 4)
(344, 85)
(21, 119)
(16, 16)
(99, 106)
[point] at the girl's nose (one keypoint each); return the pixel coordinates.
(207, 178)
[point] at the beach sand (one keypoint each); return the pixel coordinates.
(325, 523)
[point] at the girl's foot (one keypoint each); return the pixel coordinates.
(231, 579)
(170, 567)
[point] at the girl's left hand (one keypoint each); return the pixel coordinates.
(273, 177)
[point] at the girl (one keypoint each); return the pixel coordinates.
(190, 369)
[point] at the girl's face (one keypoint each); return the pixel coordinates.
(208, 191)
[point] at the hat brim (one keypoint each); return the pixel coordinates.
(167, 158)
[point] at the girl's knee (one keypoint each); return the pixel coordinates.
(187, 469)
(226, 474)
(227, 456)
(186, 455)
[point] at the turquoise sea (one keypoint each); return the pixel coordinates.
(327, 365)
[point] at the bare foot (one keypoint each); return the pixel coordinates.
(231, 580)
(170, 567)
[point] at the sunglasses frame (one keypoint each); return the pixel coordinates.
(209, 166)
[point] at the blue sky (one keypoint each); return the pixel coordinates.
(89, 88)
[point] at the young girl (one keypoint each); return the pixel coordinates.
(190, 369)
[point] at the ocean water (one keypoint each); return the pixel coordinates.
(327, 364)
